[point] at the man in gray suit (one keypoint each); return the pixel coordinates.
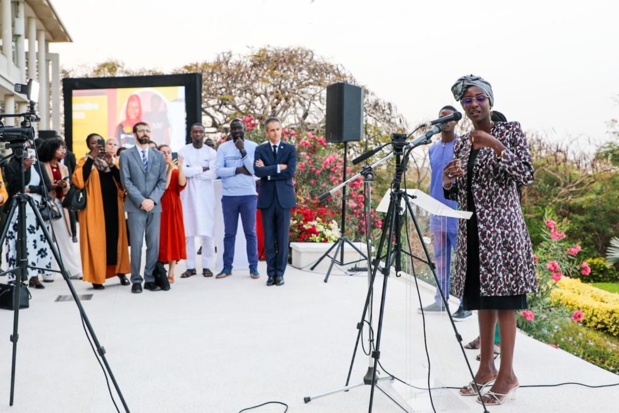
(143, 174)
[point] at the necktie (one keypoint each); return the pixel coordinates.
(274, 151)
(144, 160)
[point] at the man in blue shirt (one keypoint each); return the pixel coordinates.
(235, 167)
(445, 230)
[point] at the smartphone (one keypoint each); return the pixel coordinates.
(174, 156)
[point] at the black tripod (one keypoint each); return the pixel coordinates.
(19, 203)
(389, 254)
(339, 244)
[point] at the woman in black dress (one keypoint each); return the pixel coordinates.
(494, 257)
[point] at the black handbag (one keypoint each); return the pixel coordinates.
(161, 276)
(6, 296)
(74, 199)
(48, 210)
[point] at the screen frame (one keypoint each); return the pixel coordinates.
(191, 81)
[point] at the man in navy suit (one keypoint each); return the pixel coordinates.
(276, 163)
(143, 174)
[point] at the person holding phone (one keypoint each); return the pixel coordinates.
(103, 233)
(172, 238)
(51, 154)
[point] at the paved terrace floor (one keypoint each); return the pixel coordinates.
(212, 345)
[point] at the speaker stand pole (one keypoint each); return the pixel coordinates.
(340, 243)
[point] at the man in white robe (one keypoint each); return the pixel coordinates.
(198, 200)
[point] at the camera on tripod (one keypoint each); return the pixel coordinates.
(24, 132)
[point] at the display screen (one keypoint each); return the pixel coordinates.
(111, 106)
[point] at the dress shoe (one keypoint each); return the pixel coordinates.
(152, 286)
(279, 281)
(461, 314)
(136, 288)
(36, 283)
(270, 281)
(224, 273)
(434, 308)
(123, 279)
(98, 286)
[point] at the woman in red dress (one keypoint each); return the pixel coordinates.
(172, 236)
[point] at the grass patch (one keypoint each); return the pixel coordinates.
(610, 287)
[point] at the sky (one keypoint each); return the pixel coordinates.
(554, 67)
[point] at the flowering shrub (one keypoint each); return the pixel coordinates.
(565, 313)
(320, 169)
(313, 225)
(554, 260)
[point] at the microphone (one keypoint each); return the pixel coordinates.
(366, 155)
(448, 118)
(424, 139)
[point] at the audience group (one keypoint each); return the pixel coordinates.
(147, 194)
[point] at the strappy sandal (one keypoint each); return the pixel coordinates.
(494, 399)
(171, 279)
(471, 388)
(189, 273)
(207, 273)
(473, 345)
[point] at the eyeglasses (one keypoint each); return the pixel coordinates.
(143, 131)
(468, 101)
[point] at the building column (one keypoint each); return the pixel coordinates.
(7, 30)
(43, 80)
(20, 46)
(32, 48)
(55, 77)
(9, 107)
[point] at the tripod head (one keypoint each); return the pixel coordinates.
(20, 134)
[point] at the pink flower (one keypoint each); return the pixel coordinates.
(556, 276)
(578, 316)
(585, 269)
(528, 315)
(554, 234)
(553, 266)
(574, 250)
(550, 224)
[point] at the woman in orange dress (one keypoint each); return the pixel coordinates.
(172, 235)
(103, 234)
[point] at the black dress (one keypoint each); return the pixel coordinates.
(472, 299)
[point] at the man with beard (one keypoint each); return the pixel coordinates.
(143, 174)
(235, 167)
(198, 200)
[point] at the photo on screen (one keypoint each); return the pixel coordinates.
(170, 104)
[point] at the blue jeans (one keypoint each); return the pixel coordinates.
(444, 244)
(232, 206)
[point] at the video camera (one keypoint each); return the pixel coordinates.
(24, 132)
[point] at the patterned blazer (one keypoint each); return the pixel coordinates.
(505, 251)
